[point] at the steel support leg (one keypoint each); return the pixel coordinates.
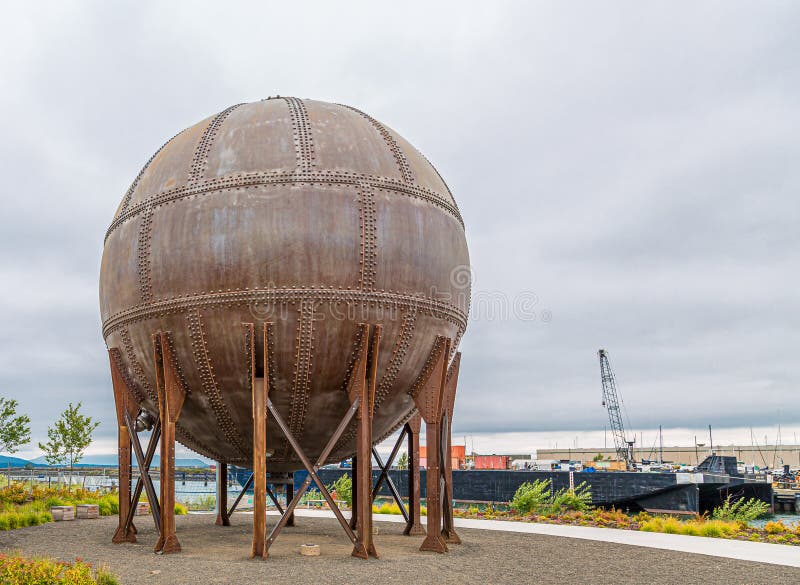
(125, 530)
(222, 495)
(448, 528)
(170, 401)
(260, 397)
(414, 525)
(289, 496)
(354, 483)
(429, 395)
(362, 389)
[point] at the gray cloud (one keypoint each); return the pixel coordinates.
(631, 165)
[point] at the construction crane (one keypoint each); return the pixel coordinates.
(611, 401)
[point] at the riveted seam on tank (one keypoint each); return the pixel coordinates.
(132, 188)
(177, 363)
(190, 441)
(138, 372)
(351, 360)
(238, 297)
(441, 178)
(396, 427)
(208, 380)
(369, 238)
(301, 386)
(200, 159)
(126, 376)
(143, 255)
(301, 134)
(399, 352)
(427, 370)
(280, 178)
(399, 156)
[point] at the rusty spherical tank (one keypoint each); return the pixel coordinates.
(311, 215)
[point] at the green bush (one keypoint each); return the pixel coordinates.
(180, 509)
(109, 504)
(578, 499)
(538, 498)
(311, 495)
(531, 497)
(741, 510)
(22, 516)
(344, 489)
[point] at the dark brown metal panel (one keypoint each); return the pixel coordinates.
(119, 288)
(426, 258)
(243, 145)
(345, 140)
(260, 238)
(172, 165)
(425, 175)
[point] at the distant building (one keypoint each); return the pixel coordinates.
(768, 456)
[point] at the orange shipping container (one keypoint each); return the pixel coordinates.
(456, 452)
(491, 462)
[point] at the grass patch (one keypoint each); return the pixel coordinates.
(24, 516)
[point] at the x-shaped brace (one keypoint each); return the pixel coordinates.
(312, 473)
(247, 485)
(384, 475)
(143, 461)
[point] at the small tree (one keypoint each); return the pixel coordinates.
(402, 463)
(344, 489)
(15, 429)
(69, 438)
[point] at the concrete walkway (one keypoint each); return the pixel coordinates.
(776, 554)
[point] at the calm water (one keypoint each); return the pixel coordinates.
(788, 519)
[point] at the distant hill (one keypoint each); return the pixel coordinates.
(110, 460)
(8, 461)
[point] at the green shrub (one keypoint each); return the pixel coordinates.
(344, 489)
(31, 514)
(741, 510)
(311, 495)
(579, 499)
(109, 504)
(180, 509)
(531, 497)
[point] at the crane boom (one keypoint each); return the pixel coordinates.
(611, 401)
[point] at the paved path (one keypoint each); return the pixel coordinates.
(776, 554)
(213, 555)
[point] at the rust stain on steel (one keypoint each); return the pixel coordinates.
(313, 215)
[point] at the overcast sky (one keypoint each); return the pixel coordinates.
(628, 176)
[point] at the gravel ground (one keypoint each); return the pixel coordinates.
(217, 555)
